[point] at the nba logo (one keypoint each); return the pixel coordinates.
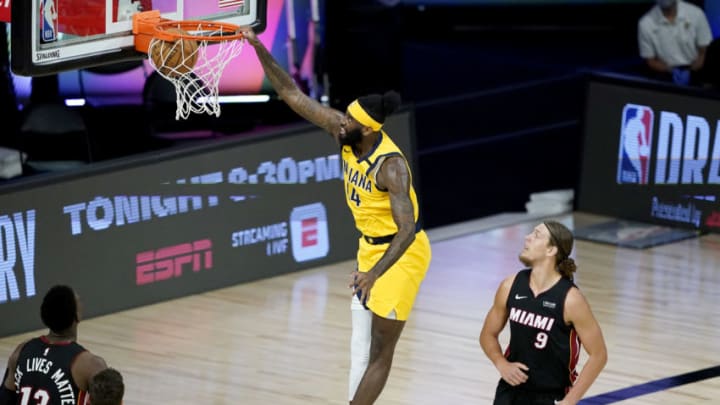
(309, 232)
(49, 24)
(635, 144)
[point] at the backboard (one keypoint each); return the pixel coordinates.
(50, 36)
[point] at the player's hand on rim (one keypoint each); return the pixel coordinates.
(249, 35)
(513, 373)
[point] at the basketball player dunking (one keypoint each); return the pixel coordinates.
(53, 368)
(393, 252)
(549, 317)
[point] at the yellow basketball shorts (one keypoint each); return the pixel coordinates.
(397, 288)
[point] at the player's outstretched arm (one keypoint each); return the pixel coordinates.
(494, 323)
(326, 118)
(577, 312)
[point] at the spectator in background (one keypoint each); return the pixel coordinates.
(673, 38)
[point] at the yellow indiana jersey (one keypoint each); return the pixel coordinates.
(370, 205)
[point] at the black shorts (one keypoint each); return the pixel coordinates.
(506, 394)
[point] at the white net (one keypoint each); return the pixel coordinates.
(194, 69)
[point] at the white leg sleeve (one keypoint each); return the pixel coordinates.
(359, 344)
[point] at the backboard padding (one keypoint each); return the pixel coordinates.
(87, 33)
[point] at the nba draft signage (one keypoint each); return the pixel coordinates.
(687, 150)
(169, 224)
(651, 153)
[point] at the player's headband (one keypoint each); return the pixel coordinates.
(361, 116)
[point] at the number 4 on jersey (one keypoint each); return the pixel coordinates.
(354, 196)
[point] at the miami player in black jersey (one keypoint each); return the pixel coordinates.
(53, 368)
(549, 318)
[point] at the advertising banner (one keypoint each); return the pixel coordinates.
(651, 154)
(135, 233)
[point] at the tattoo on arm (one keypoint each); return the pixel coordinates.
(395, 177)
(324, 117)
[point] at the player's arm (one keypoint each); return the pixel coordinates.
(84, 368)
(8, 392)
(394, 176)
(494, 323)
(326, 118)
(8, 395)
(577, 312)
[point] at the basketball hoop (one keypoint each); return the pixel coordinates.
(178, 51)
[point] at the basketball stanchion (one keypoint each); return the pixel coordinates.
(178, 51)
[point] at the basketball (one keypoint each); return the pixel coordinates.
(174, 58)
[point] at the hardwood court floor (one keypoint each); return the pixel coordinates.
(285, 340)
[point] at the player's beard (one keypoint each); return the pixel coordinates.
(352, 137)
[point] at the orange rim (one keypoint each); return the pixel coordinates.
(228, 32)
(149, 24)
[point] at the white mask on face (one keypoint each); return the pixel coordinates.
(666, 3)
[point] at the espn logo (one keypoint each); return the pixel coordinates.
(309, 232)
(5, 11)
(168, 262)
(713, 220)
(635, 144)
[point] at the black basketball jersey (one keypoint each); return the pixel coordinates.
(539, 337)
(43, 374)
